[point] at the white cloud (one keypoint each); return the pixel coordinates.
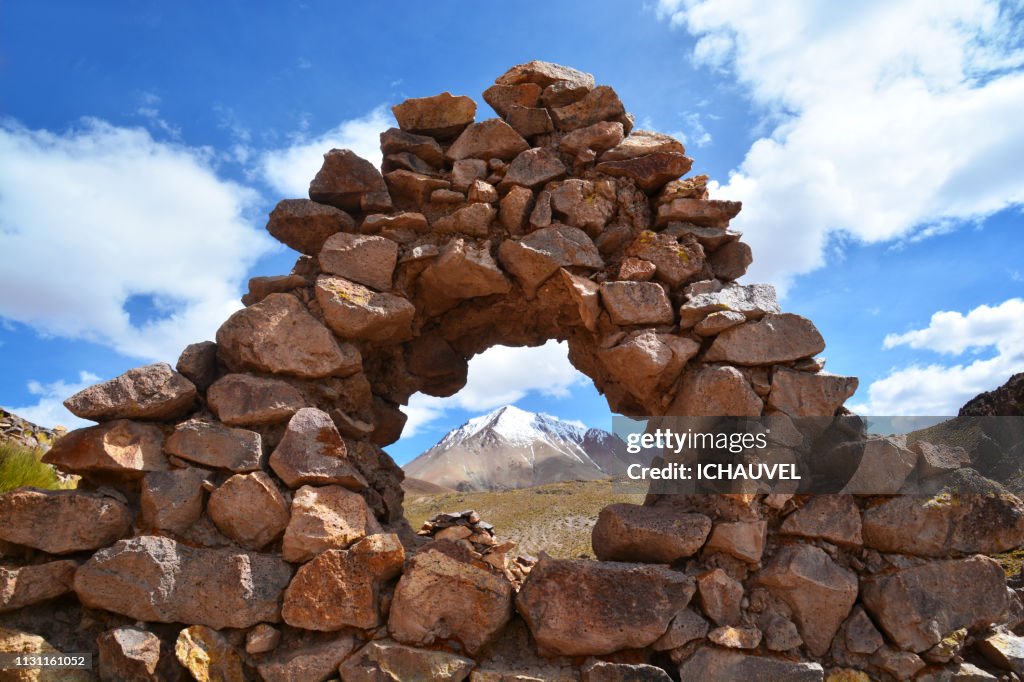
(289, 170)
(938, 389)
(98, 216)
(500, 376)
(49, 410)
(886, 118)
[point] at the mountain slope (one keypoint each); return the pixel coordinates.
(513, 448)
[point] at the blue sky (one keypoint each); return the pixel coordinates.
(876, 147)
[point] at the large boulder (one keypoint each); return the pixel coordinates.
(357, 312)
(442, 116)
(713, 663)
(211, 444)
(122, 448)
(154, 578)
(349, 182)
(660, 535)
(443, 595)
(644, 361)
(581, 607)
(62, 521)
(305, 225)
(539, 255)
(245, 400)
(385, 661)
(323, 518)
(278, 335)
(152, 392)
(312, 452)
(774, 339)
(35, 583)
(249, 509)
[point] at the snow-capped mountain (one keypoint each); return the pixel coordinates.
(513, 448)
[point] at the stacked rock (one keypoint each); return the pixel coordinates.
(467, 529)
(237, 518)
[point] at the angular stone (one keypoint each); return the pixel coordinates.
(18, 642)
(34, 583)
(884, 464)
(464, 271)
(323, 518)
(349, 182)
(481, 192)
(262, 638)
(774, 339)
(568, 607)
(720, 596)
(442, 116)
(154, 578)
(386, 661)
(305, 225)
(636, 303)
(124, 448)
(711, 238)
(945, 525)
(1004, 650)
(127, 653)
(207, 655)
(935, 459)
(586, 294)
(862, 637)
(801, 394)
(641, 143)
(198, 363)
(603, 671)
(735, 637)
(466, 171)
(718, 322)
(686, 627)
(353, 311)
(637, 270)
(366, 259)
(214, 445)
(660, 535)
(782, 635)
(532, 168)
(957, 672)
(443, 596)
(753, 301)
(711, 663)
(473, 220)
(261, 287)
(515, 209)
(539, 255)
(741, 539)
(245, 400)
(530, 121)
(312, 452)
(407, 161)
(411, 191)
(503, 98)
(172, 500)
(278, 335)
(644, 361)
(317, 661)
(396, 141)
(731, 260)
(490, 139)
(61, 521)
(712, 213)
(651, 172)
(545, 74)
(249, 509)
(819, 591)
(341, 588)
(152, 392)
(584, 204)
(600, 104)
(596, 139)
(675, 262)
(902, 665)
(715, 392)
(447, 196)
(835, 518)
(416, 222)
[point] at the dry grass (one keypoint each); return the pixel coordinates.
(21, 466)
(554, 518)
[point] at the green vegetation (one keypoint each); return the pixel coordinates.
(555, 518)
(20, 466)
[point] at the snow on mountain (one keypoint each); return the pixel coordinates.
(513, 448)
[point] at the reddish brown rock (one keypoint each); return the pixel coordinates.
(356, 312)
(490, 139)
(675, 262)
(712, 213)
(396, 141)
(154, 578)
(935, 459)
(584, 204)
(720, 596)
(151, 392)
(443, 595)
(741, 539)
(466, 171)
(686, 627)
(385, 661)
(315, 661)
(366, 259)
(473, 220)
(592, 140)
(442, 116)
(35, 583)
(325, 517)
(718, 322)
(835, 518)
(61, 521)
(411, 191)
(198, 363)
(214, 445)
(515, 209)
(349, 182)
(124, 448)
(279, 336)
(641, 143)
(127, 653)
(645, 360)
(533, 168)
(712, 663)
(731, 260)
(883, 466)
(753, 301)
(261, 287)
(530, 121)
(650, 172)
(774, 339)
(305, 225)
(481, 192)
(172, 500)
(245, 400)
(538, 255)
(636, 270)
(581, 607)
(208, 656)
(586, 295)
(464, 271)
(629, 532)
(546, 74)
(603, 671)
(600, 104)
(503, 98)
(631, 303)
(262, 638)
(416, 222)
(312, 452)
(735, 637)
(715, 392)
(341, 588)
(249, 509)
(801, 394)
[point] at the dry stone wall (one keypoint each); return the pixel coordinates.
(238, 518)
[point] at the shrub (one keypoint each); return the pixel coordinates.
(21, 466)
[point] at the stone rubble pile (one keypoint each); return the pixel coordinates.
(468, 530)
(238, 518)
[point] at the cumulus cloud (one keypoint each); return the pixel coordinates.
(941, 389)
(100, 223)
(500, 376)
(49, 409)
(887, 120)
(290, 169)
